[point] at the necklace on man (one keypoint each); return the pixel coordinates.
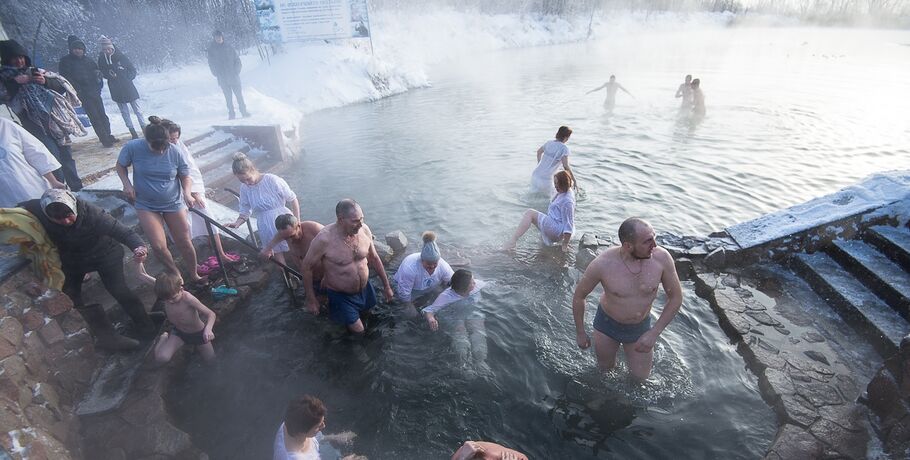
(349, 245)
(640, 269)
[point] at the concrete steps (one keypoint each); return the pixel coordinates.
(866, 282)
(892, 242)
(887, 279)
(853, 301)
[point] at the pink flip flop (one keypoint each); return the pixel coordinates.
(204, 270)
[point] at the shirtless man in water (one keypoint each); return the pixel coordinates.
(612, 86)
(629, 275)
(344, 248)
(299, 235)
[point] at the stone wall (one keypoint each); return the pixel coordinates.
(46, 361)
(888, 396)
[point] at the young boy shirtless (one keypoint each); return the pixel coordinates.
(183, 311)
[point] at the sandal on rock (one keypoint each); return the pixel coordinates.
(204, 270)
(231, 257)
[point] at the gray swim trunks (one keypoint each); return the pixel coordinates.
(622, 333)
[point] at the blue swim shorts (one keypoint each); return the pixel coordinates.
(345, 308)
(622, 333)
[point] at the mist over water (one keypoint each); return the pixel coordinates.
(792, 114)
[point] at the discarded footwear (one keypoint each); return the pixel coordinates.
(232, 257)
(204, 270)
(223, 291)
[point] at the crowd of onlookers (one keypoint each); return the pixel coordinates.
(54, 107)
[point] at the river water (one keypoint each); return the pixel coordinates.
(792, 114)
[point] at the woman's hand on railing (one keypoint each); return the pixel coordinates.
(235, 223)
(200, 201)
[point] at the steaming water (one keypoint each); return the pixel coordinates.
(792, 114)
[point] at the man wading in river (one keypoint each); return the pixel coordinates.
(345, 248)
(629, 275)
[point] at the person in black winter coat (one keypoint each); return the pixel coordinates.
(83, 73)
(120, 72)
(17, 72)
(89, 239)
(225, 66)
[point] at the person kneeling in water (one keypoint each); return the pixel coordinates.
(466, 323)
(422, 276)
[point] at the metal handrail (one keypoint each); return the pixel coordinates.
(209, 222)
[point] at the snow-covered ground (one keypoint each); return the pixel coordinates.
(308, 77)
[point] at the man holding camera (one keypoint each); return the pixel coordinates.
(27, 90)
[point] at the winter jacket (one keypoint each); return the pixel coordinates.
(223, 60)
(119, 72)
(94, 236)
(82, 72)
(50, 106)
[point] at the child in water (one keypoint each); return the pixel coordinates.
(183, 311)
(457, 306)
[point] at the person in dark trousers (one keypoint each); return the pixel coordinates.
(120, 73)
(88, 239)
(225, 66)
(27, 90)
(83, 73)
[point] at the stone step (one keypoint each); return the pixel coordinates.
(208, 143)
(853, 301)
(891, 241)
(887, 279)
(222, 156)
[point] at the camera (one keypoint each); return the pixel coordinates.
(34, 71)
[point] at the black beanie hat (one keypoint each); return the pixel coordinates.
(75, 43)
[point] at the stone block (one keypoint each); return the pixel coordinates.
(11, 416)
(589, 241)
(716, 259)
(819, 394)
(55, 304)
(797, 412)
(34, 289)
(46, 394)
(397, 241)
(17, 392)
(385, 252)
(78, 340)
(51, 333)
(6, 349)
(16, 302)
(584, 257)
(71, 322)
(32, 320)
(11, 331)
(160, 438)
(793, 442)
(851, 444)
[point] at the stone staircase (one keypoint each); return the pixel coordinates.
(867, 282)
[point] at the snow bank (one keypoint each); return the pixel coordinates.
(314, 76)
(887, 192)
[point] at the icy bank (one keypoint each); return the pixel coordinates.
(313, 76)
(888, 191)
